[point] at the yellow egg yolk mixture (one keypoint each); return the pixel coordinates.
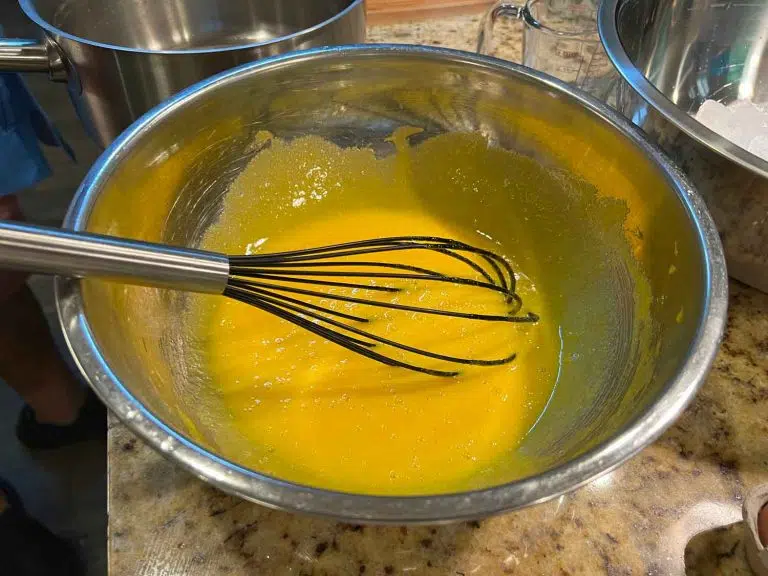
(310, 411)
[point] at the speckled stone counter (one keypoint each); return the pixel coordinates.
(673, 509)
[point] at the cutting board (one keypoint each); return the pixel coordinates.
(394, 11)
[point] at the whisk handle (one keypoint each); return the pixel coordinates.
(46, 250)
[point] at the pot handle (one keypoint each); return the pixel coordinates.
(20, 55)
(499, 9)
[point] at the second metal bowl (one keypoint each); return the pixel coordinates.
(675, 55)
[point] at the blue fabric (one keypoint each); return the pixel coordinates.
(23, 125)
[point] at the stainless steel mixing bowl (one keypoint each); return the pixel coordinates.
(120, 58)
(675, 55)
(625, 375)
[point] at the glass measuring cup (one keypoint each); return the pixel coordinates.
(560, 38)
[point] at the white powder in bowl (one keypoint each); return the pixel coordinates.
(736, 197)
(742, 122)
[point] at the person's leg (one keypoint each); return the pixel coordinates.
(29, 361)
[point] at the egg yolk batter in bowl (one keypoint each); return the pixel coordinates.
(312, 412)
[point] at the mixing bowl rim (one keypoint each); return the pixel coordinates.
(607, 25)
(276, 493)
(29, 9)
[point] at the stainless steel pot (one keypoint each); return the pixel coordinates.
(122, 57)
(672, 57)
(626, 374)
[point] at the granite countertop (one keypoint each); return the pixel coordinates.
(673, 509)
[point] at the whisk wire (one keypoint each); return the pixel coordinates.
(274, 275)
(442, 245)
(390, 305)
(265, 280)
(258, 300)
(284, 298)
(347, 342)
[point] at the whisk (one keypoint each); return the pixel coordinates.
(284, 283)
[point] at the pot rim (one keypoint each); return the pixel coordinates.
(280, 494)
(28, 6)
(607, 18)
